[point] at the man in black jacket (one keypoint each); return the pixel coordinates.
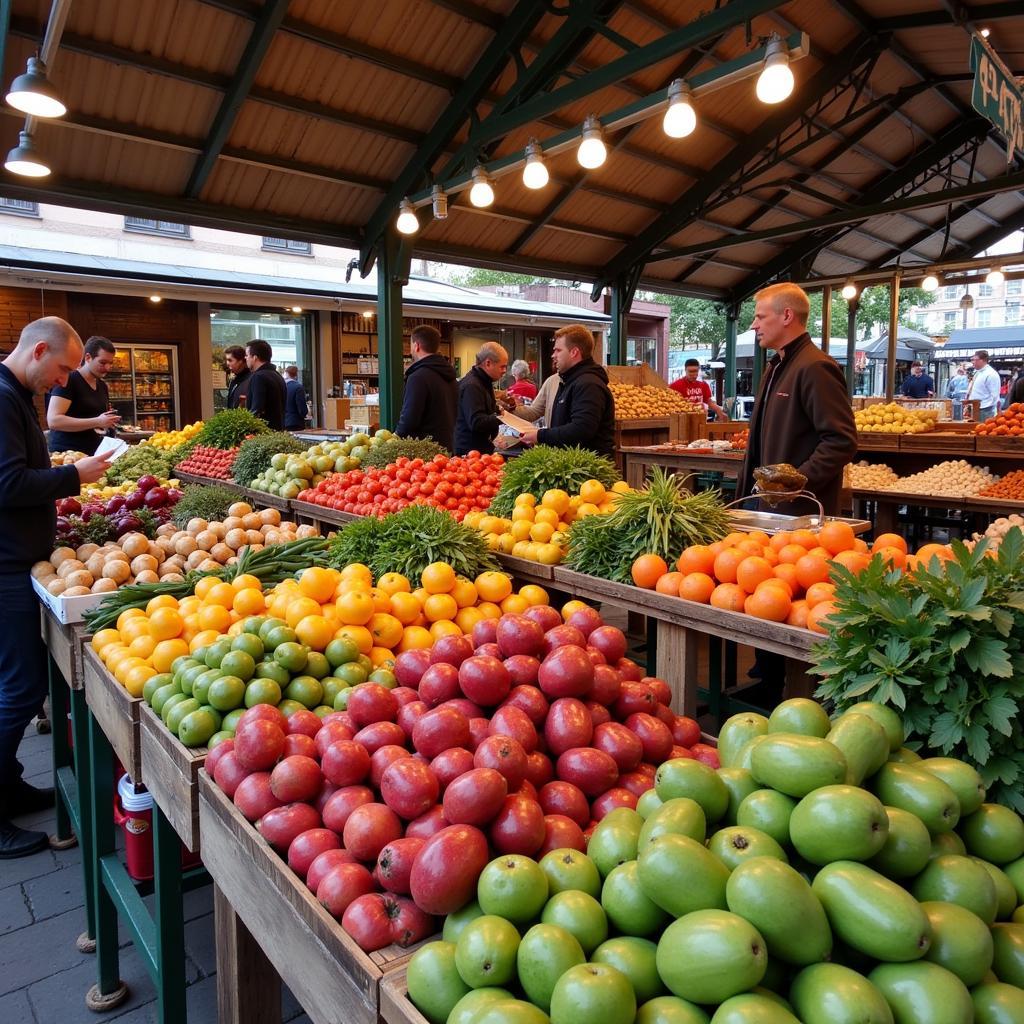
(476, 424)
(431, 398)
(234, 359)
(267, 391)
(584, 409)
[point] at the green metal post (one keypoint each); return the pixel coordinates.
(619, 331)
(392, 275)
(851, 344)
(894, 333)
(169, 921)
(83, 785)
(826, 318)
(60, 751)
(732, 315)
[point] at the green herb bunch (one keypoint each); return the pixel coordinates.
(542, 468)
(660, 519)
(140, 460)
(254, 455)
(384, 453)
(355, 542)
(228, 429)
(944, 645)
(203, 501)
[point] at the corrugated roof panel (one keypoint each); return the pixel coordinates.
(560, 247)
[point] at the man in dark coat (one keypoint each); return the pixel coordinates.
(238, 389)
(431, 399)
(296, 409)
(584, 409)
(802, 414)
(476, 424)
(267, 391)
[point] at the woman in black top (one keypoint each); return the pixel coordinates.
(79, 412)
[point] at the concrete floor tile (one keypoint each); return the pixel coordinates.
(13, 872)
(40, 951)
(62, 996)
(56, 893)
(15, 1009)
(14, 910)
(201, 946)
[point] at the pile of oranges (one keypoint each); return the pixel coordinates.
(1009, 423)
(784, 578)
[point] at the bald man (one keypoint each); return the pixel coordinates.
(476, 421)
(47, 352)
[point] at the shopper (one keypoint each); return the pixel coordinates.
(476, 423)
(79, 413)
(691, 387)
(522, 388)
(296, 407)
(45, 357)
(917, 384)
(267, 392)
(984, 387)
(584, 410)
(958, 385)
(431, 399)
(238, 389)
(539, 409)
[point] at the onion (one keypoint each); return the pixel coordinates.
(118, 571)
(270, 517)
(133, 544)
(76, 592)
(61, 554)
(239, 508)
(104, 586)
(85, 550)
(147, 576)
(144, 563)
(206, 539)
(196, 525)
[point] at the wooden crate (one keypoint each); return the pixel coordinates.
(332, 978)
(869, 441)
(171, 771)
(640, 376)
(395, 1005)
(263, 499)
(524, 569)
(65, 646)
(1004, 445)
(115, 711)
(939, 441)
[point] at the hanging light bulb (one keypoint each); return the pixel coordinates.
(25, 160)
(535, 173)
(592, 152)
(995, 277)
(775, 83)
(849, 291)
(481, 194)
(930, 283)
(296, 309)
(680, 119)
(407, 223)
(985, 33)
(156, 298)
(33, 94)
(439, 202)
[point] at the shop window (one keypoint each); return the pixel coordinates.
(288, 245)
(20, 207)
(145, 226)
(1012, 313)
(986, 291)
(984, 316)
(1014, 287)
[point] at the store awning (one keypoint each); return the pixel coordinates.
(910, 345)
(999, 342)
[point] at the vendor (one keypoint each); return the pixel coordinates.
(918, 384)
(691, 387)
(79, 413)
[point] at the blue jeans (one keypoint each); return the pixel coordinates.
(23, 676)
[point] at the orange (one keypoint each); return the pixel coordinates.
(820, 552)
(728, 597)
(836, 536)
(750, 547)
(204, 586)
(805, 538)
(165, 652)
(783, 585)
(165, 623)
(440, 606)
(726, 565)
(421, 595)
(359, 635)
(355, 608)
(489, 610)
(717, 548)
(734, 538)
(381, 657)
(697, 586)
(214, 616)
(318, 583)
(381, 600)
(889, 540)
(894, 558)
(669, 583)
(142, 646)
(819, 613)
(790, 554)
(134, 628)
(415, 637)
(464, 592)
(514, 605)
(798, 612)
(928, 551)
(444, 627)
(357, 571)
(818, 592)
(203, 638)
(249, 601)
(161, 601)
(855, 561)
(468, 618)
(571, 607)
(760, 536)
(314, 631)
(300, 607)
(103, 639)
(135, 678)
(787, 573)
(811, 569)
(246, 580)
(393, 583)
(769, 602)
(493, 586)
(220, 593)
(770, 555)
(405, 607)
(189, 605)
(780, 540)
(698, 558)
(385, 629)
(647, 570)
(534, 594)
(546, 515)
(752, 571)
(860, 545)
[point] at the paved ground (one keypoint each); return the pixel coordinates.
(43, 977)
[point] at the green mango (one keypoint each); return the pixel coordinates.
(614, 842)
(745, 757)
(177, 713)
(161, 694)
(627, 907)
(768, 811)
(636, 958)
(797, 765)
(648, 803)
(799, 716)
(740, 784)
(736, 733)
(886, 717)
(948, 842)
(171, 702)
(958, 880)
(918, 791)
(777, 901)
(1015, 873)
(1008, 946)
(153, 683)
(995, 833)
(838, 823)
(996, 1002)
(693, 779)
(905, 756)
(753, 1008)
(735, 844)
(872, 914)
(678, 816)
(833, 994)
(864, 743)
(1006, 894)
(671, 1010)
(197, 727)
(907, 848)
(681, 876)
(960, 941)
(923, 993)
(961, 777)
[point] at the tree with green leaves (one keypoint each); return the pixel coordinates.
(479, 277)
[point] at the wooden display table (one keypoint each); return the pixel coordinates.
(319, 516)
(116, 713)
(270, 928)
(638, 460)
(395, 1005)
(263, 499)
(978, 511)
(209, 481)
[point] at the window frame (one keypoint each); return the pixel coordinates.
(291, 247)
(148, 226)
(27, 209)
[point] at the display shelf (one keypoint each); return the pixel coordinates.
(64, 642)
(395, 1005)
(637, 460)
(116, 713)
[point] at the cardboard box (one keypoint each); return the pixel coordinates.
(336, 411)
(67, 609)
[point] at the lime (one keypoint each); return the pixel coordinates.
(353, 673)
(253, 624)
(219, 737)
(238, 663)
(291, 656)
(306, 690)
(201, 687)
(332, 687)
(250, 643)
(213, 713)
(271, 670)
(323, 710)
(341, 701)
(341, 650)
(180, 662)
(190, 675)
(385, 677)
(216, 651)
(226, 693)
(163, 694)
(153, 683)
(200, 654)
(289, 707)
(279, 635)
(174, 713)
(230, 722)
(268, 625)
(365, 662)
(196, 728)
(262, 691)
(317, 665)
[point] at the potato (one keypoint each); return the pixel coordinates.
(253, 537)
(173, 577)
(232, 523)
(175, 561)
(208, 565)
(157, 552)
(221, 552)
(85, 551)
(289, 525)
(234, 539)
(270, 517)
(115, 555)
(56, 586)
(205, 539)
(76, 592)
(41, 570)
(147, 576)
(104, 586)
(304, 532)
(118, 571)
(196, 525)
(272, 536)
(133, 544)
(252, 521)
(60, 555)
(240, 508)
(144, 563)
(166, 530)
(68, 566)
(195, 559)
(165, 544)
(218, 530)
(95, 562)
(185, 544)
(81, 578)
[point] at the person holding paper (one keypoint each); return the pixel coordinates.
(79, 413)
(45, 357)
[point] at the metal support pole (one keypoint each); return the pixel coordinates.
(851, 344)
(169, 921)
(894, 328)
(732, 315)
(619, 330)
(826, 317)
(392, 276)
(760, 360)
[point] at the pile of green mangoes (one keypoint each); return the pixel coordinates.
(288, 473)
(825, 874)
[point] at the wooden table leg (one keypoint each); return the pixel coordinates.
(248, 985)
(798, 682)
(676, 661)
(886, 516)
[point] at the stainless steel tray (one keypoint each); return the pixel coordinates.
(748, 520)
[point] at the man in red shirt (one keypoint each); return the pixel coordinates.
(697, 390)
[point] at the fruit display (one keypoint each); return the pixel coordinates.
(954, 478)
(138, 461)
(214, 463)
(255, 455)
(740, 440)
(659, 519)
(167, 440)
(873, 477)
(648, 401)
(146, 506)
(459, 484)
(893, 418)
(1008, 423)
(103, 492)
(997, 530)
(65, 458)
(1008, 488)
(539, 531)
(543, 468)
(824, 874)
(203, 501)
(289, 474)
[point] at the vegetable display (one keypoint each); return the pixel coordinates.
(893, 418)
(255, 454)
(394, 448)
(207, 461)
(544, 468)
(649, 401)
(289, 472)
(168, 440)
(138, 461)
(228, 429)
(1009, 487)
(203, 501)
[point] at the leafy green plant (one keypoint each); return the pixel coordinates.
(203, 501)
(140, 460)
(661, 519)
(944, 645)
(355, 542)
(254, 456)
(386, 452)
(228, 429)
(542, 468)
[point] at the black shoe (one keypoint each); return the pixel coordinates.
(43, 725)
(26, 799)
(20, 842)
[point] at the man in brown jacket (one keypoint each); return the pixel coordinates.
(802, 414)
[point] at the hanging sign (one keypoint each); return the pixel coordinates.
(997, 95)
